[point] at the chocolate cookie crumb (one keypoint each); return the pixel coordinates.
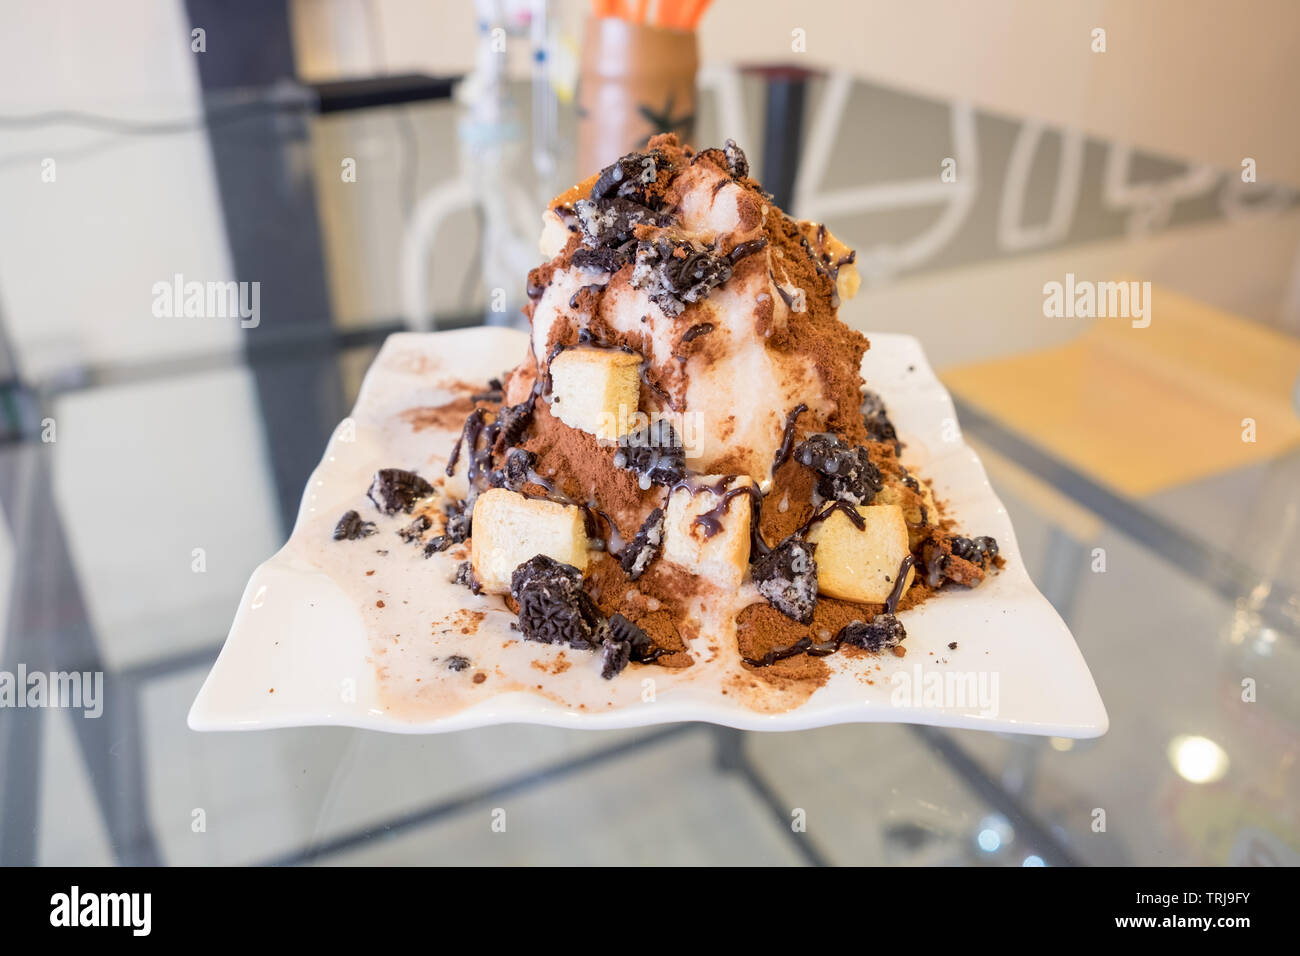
(412, 532)
(637, 176)
(675, 272)
(884, 630)
(395, 489)
(623, 630)
(654, 452)
(614, 656)
(351, 527)
(609, 223)
(876, 419)
(737, 163)
(513, 474)
(464, 576)
(636, 557)
(787, 577)
(553, 607)
(847, 473)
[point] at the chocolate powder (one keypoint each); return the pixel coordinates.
(450, 416)
(582, 469)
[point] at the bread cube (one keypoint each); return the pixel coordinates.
(861, 564)
(509, 529)
(837, 256)
(717, 547)
(918, 507)
(597, 390)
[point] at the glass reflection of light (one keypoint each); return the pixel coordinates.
(994, 833)
(1198, 759)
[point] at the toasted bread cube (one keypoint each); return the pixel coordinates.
(861, 564)
(509, 529)
(717, 547)
(918, 505)
(919, 510)
(597, 390)
(847, 281)
(839, 258)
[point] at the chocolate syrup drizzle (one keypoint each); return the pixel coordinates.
(711, 520)
(743, 249)
(780, 653)
(659, 392)
(787, 437)
(847, 509)
(786, 297)
(896, 595)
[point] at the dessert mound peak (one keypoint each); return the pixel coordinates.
(680, 258)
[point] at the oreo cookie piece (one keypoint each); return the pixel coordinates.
(979, 550)
(654, 452)
(457, 662)
(847, 473)
(632, 177)
(876, 418)
(973, 558)
(459, 521)
(636, 557)
(514, 472)
(675, 272)
(607, 223)
(412, 532)
(737, 164)
(464, 576)
(553, 607)
(395, 489)
(614, 656)
(351, 527)
(884, 630)
(624, 630)
(601, 260)
(787, 577)
(459, 517)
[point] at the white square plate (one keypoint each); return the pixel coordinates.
(300, 653)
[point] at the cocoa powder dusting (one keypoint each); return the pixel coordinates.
(656, 602)
(835, 349)
(792, 484)
(448, 417)
(760, 629)
(583, 469)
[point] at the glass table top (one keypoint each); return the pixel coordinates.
(152, 463)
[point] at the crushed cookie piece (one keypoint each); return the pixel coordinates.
(351, 527)
(395, 490)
